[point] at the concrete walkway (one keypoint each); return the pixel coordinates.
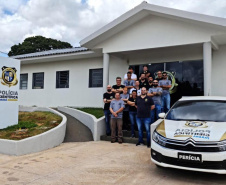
(95, 163)
(76, 131)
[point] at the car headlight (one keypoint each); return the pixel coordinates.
(159, 139)
(222, 146)
(155, 137)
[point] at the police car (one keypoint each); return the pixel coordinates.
(192, 135)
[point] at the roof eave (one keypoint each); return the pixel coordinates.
(61, 57)
(92, 39)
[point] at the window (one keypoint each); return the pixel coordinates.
(23, 81)
(62, 79)
(38, 81)
(196, 110)
(96, 77)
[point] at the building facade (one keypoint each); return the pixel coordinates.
(190, 46)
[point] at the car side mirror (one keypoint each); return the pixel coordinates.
(162, 115)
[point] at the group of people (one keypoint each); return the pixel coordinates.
(138, 100)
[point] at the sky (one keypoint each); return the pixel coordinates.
(73, 20)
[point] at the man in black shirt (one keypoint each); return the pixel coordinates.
(143, 81)
(144, 105)
(107, 97)
(132, 111)
(118, 87)
(150, 82)
(159, 73)
(146, 71)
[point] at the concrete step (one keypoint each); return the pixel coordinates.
(125, 139)
(128, 134)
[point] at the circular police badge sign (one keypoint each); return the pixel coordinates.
(196, 124)
(9, 77)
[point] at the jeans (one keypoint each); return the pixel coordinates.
(146, 122)
(155, 113)
(107, 114)
(125, 119)
(165, 103)
(132, 117)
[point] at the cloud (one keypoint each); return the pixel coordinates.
(11, 6)
(73, 20)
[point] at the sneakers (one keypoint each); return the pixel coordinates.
(141, 144)
(120, 142)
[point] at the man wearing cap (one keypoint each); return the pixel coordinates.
(133, 76)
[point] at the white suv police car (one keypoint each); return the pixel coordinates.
(192, 136)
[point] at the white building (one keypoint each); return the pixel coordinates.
(190, 44)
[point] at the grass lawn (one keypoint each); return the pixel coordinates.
(97, 112)
(30, 124)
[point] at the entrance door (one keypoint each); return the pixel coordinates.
(188, 76)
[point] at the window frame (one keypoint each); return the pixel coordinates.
(33, 87)
(21, 81)
(90, 78)
(59, 80)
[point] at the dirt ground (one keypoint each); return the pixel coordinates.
(95, 163)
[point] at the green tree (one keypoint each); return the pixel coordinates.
(37, 44)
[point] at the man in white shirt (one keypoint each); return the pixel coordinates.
(133, 77)
(137, 88)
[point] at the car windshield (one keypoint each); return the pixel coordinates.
(205, 110)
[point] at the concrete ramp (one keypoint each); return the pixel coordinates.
(76, 131)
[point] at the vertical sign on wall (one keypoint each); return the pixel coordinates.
(9, 91)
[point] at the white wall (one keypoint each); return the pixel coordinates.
(117, 68)
(78, 93)
(218, 72)
(154, 32)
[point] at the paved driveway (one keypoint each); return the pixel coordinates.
(95, 163)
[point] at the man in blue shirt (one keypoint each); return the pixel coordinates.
(165, 84)
(116, 108)
(155, 92)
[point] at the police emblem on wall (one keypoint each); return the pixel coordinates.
(9, 77)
